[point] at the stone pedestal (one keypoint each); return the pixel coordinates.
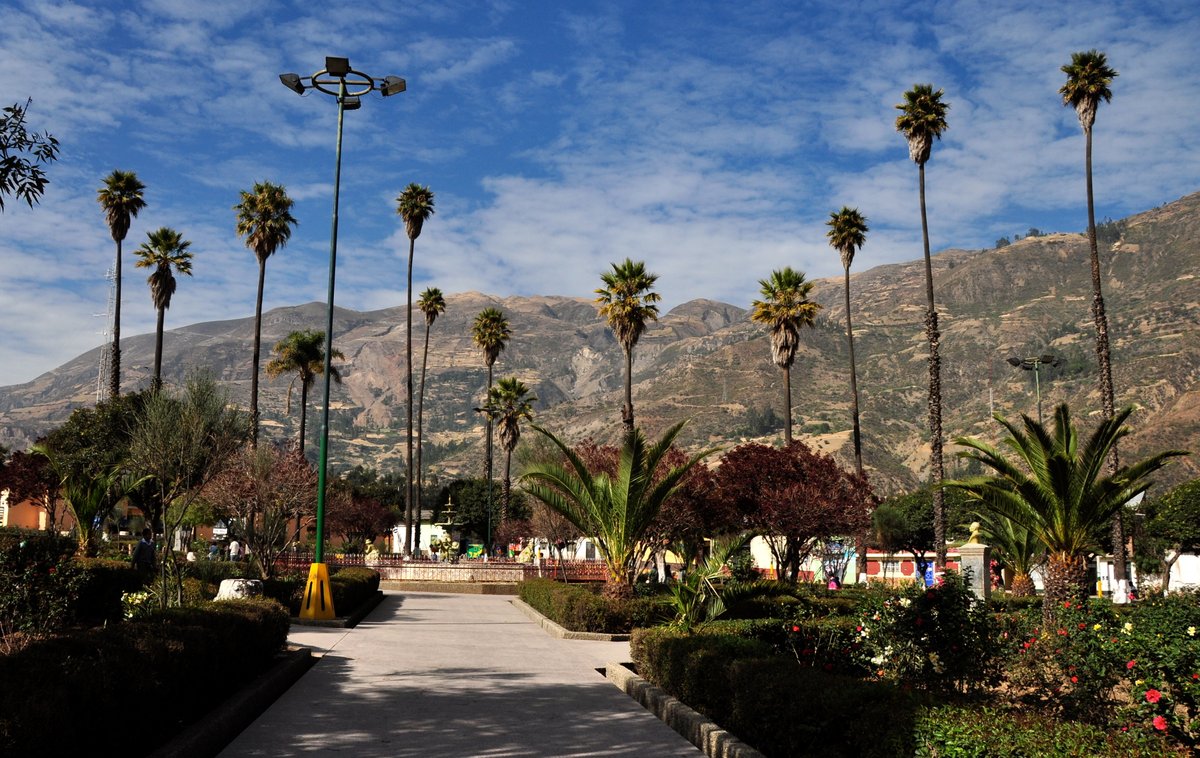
(975, 565)
(232, 589)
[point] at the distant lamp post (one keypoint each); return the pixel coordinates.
(1035, 364)
(341, 81)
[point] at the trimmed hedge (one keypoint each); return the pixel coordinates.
(160, 673)
(351, 587)
(581, 608)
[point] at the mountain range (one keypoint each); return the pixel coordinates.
(707, 362)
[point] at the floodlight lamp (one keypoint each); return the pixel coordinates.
(351, 103)
(392, 85)
(292, 82)
(1014, 361)
(338, 67)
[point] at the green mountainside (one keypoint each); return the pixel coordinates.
(707, 362)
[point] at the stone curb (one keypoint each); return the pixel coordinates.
(217, 728)
(693, 726)
(349, 622)
(561, 632)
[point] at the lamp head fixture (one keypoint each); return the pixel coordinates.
(392, 85)
(351, 103)
(292, 82)
(338, 67)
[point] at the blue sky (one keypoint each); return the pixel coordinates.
(711, 140)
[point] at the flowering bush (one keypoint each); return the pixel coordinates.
(939, 638)
(1160, 639)
(136, 605)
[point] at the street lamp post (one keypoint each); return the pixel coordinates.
(339, 80)
(1034, 364)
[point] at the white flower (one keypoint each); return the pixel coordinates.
(1191, 631)
(905, 602)
(1128, 628)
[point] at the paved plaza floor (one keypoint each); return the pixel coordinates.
(455, 675)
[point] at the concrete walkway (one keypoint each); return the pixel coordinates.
(455, 675)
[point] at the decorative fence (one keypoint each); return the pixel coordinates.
(397, 568)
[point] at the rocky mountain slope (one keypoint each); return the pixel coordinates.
(707, 362)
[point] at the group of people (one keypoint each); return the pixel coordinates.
(144, 555)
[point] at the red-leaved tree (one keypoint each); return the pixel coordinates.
(264, 491)
(794, 497)
(357, 518)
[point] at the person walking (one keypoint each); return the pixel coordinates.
(143, 555)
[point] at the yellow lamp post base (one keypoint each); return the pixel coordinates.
(318, 600)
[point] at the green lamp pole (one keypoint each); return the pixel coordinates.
(348, 86)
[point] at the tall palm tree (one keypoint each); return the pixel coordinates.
(509, 402)
(164, 250)
(303, 354)
(432, 304)
(615, 511)
(121, 199)
(491, 333)
(922, 119)
(1059, 492)
(847, 233)
(414, 205)
(785, 308)
(628, 302)
(264, 218)
(1088, 80)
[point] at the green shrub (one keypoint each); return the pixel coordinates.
(102, 584)
(1162, 636)
(580, 607)
(936, 638)
(165, 671)
(955, 731)
(39, 581)
(351, 587)
(1001, 603)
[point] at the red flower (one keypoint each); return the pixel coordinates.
(795, 628)
(1066, 604)
(829, 667)
(1074, 680)
(858, 628)
(1082, 625)
(1062, 632)
(1131, 664)
(1160, 723)
(1153, 696)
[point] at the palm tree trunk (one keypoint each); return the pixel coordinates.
(627, 409)
(1066, 582)
(507, 484)
(787, 408)
(303, 412)
(409, 484)
(488, 456)
(114, 379)
(156, 382)
(262, 278)
(937, 472)
(853, 380)
(421, 432)
(1103, 356)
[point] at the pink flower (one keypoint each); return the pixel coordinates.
(1153, 696)
(1160, 723)
(1131, 664)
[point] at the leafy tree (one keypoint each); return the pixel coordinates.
(264, 218)
(1172, 528)
(415, 206)
(22, 155)
(847, 233)
(432, 304)
(794, 497)
(785, 308)
(475, 508)
(1088, 82)
(302, 354)
(1057, 491)
(262, 491)
(904, 523)
(616, 511)
(922, 119)
(1003, 242)
(164, 250)
(29, 476)
(627, 301)
(121, 199)
(182, 443)
(1017, 549)
(490, 332)
(356, 517)
(509, 403)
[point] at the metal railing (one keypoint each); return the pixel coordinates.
(397, 567)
